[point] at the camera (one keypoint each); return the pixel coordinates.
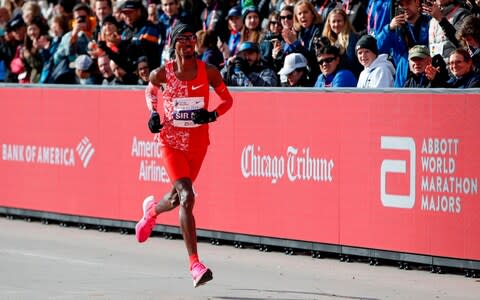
(81, 19)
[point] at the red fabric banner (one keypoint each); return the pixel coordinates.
(385, 171)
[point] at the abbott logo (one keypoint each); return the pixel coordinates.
(397, 166)
(85, 151)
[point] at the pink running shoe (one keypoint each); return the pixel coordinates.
(200, 274)
(144, 227)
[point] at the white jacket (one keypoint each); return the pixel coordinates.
(380, 74)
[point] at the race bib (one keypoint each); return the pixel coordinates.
(183, 110)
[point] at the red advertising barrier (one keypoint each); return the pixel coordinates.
(384, 171)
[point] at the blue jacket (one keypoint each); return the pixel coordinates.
(399, 41)
(379, 15)
(340, 78)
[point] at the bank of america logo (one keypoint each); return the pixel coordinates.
(85, 150)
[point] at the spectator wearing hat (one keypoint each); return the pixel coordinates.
(246, 69)
(111, 44)
(407, 29)
(263, 7)
(329, 60)
(86, 71)
(213, 16)
(207, 49)
(141, 35)
(378, 72)
(170, 14)
(424, 73)
(12, 50)
(295, 71)
(235, 25)
(252, 26)
(461, 67)
(4, 17)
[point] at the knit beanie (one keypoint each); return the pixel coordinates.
(367, 42)
(179, 29)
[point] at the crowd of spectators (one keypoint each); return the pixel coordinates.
(289, 43)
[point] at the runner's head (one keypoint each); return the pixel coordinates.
(184, 40)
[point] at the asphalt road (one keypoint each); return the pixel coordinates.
(40, 261)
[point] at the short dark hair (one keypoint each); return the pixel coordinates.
(328, 49)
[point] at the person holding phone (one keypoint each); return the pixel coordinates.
(407, 29)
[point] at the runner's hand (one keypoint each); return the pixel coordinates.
(154, 122)
(203, 116)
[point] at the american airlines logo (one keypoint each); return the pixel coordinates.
(85, 151)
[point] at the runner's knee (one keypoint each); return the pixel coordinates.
(185, 193)
(172, 198)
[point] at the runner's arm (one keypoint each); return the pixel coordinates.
(154, 90)
(216, 81)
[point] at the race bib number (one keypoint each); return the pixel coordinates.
(183, 110)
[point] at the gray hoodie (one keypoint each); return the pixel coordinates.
(380, 74)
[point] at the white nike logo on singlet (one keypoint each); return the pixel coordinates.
(196, 87)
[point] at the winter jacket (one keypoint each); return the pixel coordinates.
(380, 74)
(397, 43)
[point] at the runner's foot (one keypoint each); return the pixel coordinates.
(200, 274)
(144, 227)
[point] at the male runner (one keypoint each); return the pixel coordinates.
(183, 136)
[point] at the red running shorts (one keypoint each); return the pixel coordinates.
(182, 164)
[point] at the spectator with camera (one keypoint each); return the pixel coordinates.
(407, 29)
(425, 71)
(73, 44)
(245, 69)
(447, 17)
(271, 37)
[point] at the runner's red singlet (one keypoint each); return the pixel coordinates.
(178, 93)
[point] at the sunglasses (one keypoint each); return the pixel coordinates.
(274, 23)
(186, 38)
(289, 17)
(326, 60)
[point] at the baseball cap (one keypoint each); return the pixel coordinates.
(83, 62)
(292, 62)
(235, 11)
(15, 23)
(132, 4)
(248, 46)
(420, 51)
(249, 9)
